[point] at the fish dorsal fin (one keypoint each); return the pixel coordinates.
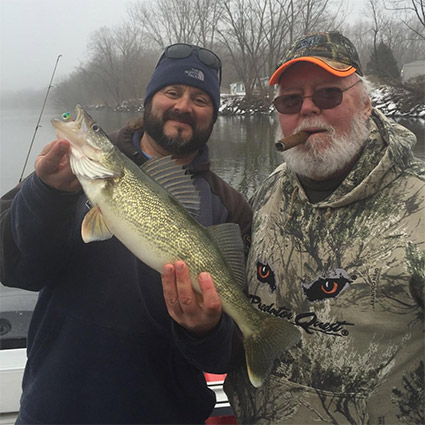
(83, 166)
(228, 237)
(94, 227)
(173, 178)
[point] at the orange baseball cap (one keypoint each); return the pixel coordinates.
(329, 50)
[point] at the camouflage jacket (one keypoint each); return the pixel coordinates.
(349, 272)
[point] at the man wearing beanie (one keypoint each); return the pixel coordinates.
(337, 249)
(102, 348)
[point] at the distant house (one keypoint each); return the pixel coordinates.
(238, 88)
(412, 70)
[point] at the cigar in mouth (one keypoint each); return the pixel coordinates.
(291, 141)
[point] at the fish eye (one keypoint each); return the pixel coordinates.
(95, 127)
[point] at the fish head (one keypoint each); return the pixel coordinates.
(93, 156)
(83, 133)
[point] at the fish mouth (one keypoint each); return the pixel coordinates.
(81, 131)
(83, 120)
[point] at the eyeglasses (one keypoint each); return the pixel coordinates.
(326, 98)
(183, 50)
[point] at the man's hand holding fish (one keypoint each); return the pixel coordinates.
(199, 314)
(53, 168)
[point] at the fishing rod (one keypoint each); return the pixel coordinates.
(39, 118)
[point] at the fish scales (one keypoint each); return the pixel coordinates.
(155, 203)
(132, 206)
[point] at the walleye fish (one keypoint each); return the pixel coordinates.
(151, 211)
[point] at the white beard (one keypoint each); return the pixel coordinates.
(314, 162)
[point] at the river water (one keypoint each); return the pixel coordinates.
(242, 148)
(242, 152)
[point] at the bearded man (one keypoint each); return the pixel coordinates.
(102, 348)
(338, 250)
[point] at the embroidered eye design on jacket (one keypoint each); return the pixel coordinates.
(265, 274)
(329, 286)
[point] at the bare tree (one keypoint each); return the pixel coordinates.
(185, 21)
(388, 26)
(209, 13)
(243, 34)
(81, 87)
(135, 59)
(120, 61)
(250, 36)
(283, 15)
(290, 19)
(312, 14)
(105, 63)
(410, 9)
(361, 35)
(379, 22)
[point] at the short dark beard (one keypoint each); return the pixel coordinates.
(154, 127)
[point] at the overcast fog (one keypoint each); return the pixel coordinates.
(34, 32)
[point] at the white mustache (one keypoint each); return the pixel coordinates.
(315, 123)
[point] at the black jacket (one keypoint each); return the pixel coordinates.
(101, 345)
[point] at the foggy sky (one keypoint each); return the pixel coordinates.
(34, 32)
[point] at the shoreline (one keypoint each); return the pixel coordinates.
(391, 101)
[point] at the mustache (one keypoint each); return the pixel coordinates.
(185, 117)
(314, 123)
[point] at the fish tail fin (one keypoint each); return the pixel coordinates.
(261, 348)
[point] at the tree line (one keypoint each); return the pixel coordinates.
(249, 36)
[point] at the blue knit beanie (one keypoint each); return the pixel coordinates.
(189, 71)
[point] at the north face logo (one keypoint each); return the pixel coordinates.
(195, 73)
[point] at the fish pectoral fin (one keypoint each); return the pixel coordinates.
(83, 166)
(228, 238)
(273, 337)
(94, 227)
